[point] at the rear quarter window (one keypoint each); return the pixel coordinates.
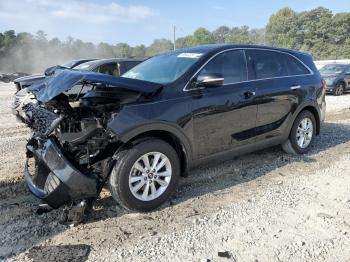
(295, 67)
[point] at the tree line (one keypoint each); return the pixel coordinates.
(320, 32)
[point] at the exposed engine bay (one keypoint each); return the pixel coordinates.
(71, 144)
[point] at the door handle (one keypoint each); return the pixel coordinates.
(295, 87)
(248, 94)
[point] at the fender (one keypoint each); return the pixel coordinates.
(301, 107)
(171, 128)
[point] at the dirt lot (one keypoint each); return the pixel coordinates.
(265, 206)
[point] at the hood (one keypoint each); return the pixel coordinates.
(30, 78)
(329, 75)
(64, 80)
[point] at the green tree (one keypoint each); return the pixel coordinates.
(158, 46)
(282, 28)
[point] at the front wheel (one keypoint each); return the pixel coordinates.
(339, 89)
(145, 175)
(302, 134)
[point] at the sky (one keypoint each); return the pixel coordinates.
(140, 22)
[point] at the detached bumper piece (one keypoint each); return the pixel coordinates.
(56, 180)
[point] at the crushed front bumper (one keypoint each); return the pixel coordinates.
(60, 182)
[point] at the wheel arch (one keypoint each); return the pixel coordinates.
(168, 134)
(341, 81)
(316, 114)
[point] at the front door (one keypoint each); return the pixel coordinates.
(224, 117)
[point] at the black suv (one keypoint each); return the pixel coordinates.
(140, 132)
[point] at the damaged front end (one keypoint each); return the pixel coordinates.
(70, 153)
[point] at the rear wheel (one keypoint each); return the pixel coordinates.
(302, 134)
(339, 89)
(145, 175)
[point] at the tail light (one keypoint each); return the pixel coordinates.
(324, 84)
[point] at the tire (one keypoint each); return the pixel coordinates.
(124, 169)
(339, 90)
(292, 145)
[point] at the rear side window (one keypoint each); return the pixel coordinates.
(269, 64)
(231, 65)
(108, 69)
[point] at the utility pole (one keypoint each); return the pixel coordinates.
(174, 37)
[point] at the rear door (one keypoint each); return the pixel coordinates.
(281, 86)
(224, 117)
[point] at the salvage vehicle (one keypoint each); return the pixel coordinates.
(139, 133)
(28, 80)
(337, 77)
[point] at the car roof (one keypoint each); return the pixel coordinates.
(95, 63)
(220, 47)
(111, 60)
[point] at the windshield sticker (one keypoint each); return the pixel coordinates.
(190, 55)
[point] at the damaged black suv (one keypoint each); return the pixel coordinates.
(140, 132)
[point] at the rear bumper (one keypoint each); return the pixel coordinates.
(61, 181)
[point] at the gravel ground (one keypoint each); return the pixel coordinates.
(264, 206)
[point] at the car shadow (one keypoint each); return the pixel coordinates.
(215, 177)
(34, 228)
(73, 253)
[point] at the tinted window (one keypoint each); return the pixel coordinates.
(295, 67)
(266, 64)
(269, 64)
(108, 69)
(231, 65)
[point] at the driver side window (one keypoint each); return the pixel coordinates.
(231, 65)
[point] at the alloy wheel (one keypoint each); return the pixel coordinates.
(150, 176)
(304, 132)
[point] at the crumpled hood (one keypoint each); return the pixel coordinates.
(64, 80)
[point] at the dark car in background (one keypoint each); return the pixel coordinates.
(26, 81)
(6, 78)
(337, 77)
(140, 132)
(113, 66)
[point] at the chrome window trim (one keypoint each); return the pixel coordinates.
(254, 80)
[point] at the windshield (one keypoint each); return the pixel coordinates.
(163, 69)
(69, 64)
(85, 66)
(332, 69)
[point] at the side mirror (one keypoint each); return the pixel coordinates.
(209, 80)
